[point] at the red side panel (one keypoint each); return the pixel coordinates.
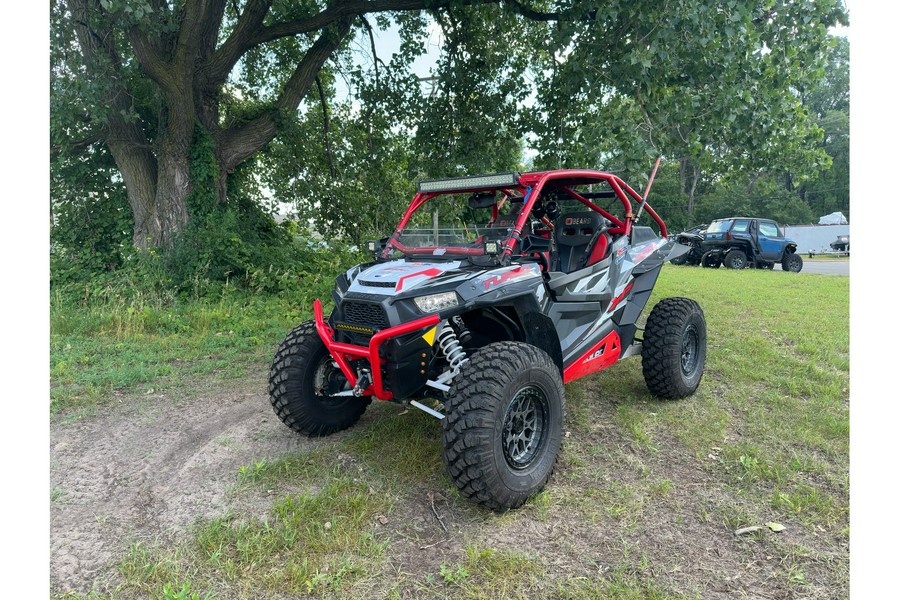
(601, 356)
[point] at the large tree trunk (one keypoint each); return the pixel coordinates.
(170, 212)
(189, 71)
(138, 169)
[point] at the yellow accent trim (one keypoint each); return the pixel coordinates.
(356, 328)
(429, 336)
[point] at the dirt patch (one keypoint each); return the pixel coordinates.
(148, 467)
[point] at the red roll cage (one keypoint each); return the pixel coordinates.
(530, 185)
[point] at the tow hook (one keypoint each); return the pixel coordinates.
(362, 383)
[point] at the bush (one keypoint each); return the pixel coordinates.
(232, 242)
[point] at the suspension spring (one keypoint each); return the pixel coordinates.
(451, 348)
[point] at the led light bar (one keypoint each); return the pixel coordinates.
(475, 182)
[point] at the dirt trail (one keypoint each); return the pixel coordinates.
(148, 467)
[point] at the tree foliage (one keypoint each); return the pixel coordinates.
(189, 120)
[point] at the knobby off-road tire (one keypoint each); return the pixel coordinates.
(302, 364)
(504, 423)
(674, 348)
(736, 259)
(709, 261)
(792, 262)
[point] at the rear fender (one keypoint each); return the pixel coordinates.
(678, 249)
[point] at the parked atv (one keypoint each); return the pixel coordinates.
(741, 242)
(536, 285)
(693, 239)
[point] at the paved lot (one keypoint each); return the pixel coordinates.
(824, 267)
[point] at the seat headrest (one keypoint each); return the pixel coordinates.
(576, 229)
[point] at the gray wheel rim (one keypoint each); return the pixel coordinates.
(690, 350)
(327, 374)
(525, 426)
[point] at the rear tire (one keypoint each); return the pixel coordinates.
(504, 423)
(300, 379)
(674, 348)
(710, 260)
(736, 259)
(792, 262)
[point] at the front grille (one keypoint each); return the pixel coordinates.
(381, 284)
(363, 313)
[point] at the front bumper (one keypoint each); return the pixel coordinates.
(343, 354)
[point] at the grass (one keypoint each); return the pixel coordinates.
(643, 504)
(319, 541)
(121, 345)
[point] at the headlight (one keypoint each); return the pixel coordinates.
(436, 302)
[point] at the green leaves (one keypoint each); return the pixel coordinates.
(730, 90)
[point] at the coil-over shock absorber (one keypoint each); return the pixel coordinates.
(448, 341)
(452, 349)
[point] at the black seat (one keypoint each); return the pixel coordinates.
(506, 222)
(576, 236)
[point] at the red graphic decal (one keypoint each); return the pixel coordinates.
(645, 252)
(620, 297)
(427, 272)
(601, 356)
(508, 276)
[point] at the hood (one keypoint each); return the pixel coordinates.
(400, 276)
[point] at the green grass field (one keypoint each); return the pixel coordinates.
(643, 504)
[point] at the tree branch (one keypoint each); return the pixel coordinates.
(239, 143)
(90, 140)
(530, 13)
(250, 32)
(219, 65)
(199, 17)
(375, 59)
(151, 59)
(325, 127)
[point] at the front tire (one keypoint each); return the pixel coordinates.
(792, 262)
(301, 379)
(673, 354)
(504, 423)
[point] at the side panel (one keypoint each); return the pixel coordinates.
(640, 294)
(622, 293)
(579, 325)
(601, 355)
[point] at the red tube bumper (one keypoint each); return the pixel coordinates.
(343, 354)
